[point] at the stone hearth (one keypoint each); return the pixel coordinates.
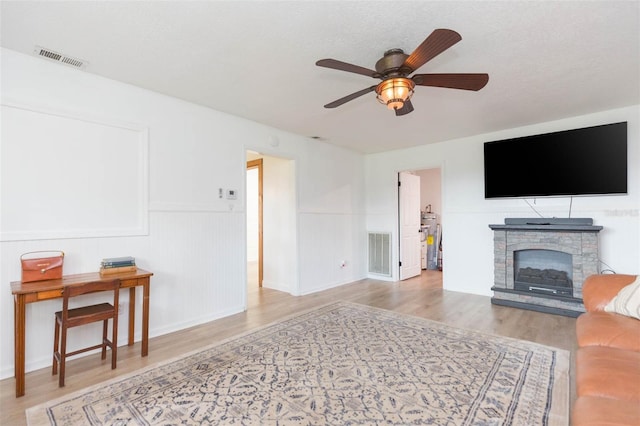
(574, 239)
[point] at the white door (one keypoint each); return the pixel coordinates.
(409, 229)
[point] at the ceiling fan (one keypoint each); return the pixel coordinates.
(394, 68)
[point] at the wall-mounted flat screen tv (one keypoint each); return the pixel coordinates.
(586, 161)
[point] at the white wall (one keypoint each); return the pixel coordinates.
(279, 228)
(467, 239)
(252, 215)
(430, 190)
(331, 225)
(196, 244)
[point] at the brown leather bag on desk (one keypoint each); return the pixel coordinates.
(41, 268)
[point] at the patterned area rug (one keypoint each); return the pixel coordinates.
(340, 364)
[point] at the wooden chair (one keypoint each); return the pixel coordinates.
(68, 318)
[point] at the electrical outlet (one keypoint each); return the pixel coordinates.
(121, 308)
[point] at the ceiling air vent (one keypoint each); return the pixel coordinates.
(58, 57)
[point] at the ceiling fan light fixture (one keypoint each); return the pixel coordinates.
(394, 92)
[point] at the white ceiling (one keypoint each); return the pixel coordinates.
(546, 60)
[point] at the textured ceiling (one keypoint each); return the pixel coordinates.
(547, 60)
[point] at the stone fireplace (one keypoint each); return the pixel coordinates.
(540, 264)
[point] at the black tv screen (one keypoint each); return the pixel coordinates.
(587, 161)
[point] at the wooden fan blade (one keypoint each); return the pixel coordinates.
(343, 66)
(350, 97)
(437, 42)
(406, 108)
(452, 81)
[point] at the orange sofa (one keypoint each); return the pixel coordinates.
(608, 358)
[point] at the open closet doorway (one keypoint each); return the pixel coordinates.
(255, 265)
(429, 199)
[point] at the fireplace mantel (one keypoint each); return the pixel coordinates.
(554, 224)
(577, 237)
(548, 228)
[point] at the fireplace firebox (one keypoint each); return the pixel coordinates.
(543, 271)
(541, 264)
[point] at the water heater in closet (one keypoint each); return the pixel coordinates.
(430, 222)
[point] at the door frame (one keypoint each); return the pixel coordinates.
(257, 164)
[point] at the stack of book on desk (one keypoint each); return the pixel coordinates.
(115, 265)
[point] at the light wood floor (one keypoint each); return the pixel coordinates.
(421, 296)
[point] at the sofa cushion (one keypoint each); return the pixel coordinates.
(605, 329)
(608, 372)
(599, 289)
(627, 301)
(595, 411)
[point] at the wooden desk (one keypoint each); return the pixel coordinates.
(24, 293)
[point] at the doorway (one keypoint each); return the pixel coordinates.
(271, 223)
(429, 201)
